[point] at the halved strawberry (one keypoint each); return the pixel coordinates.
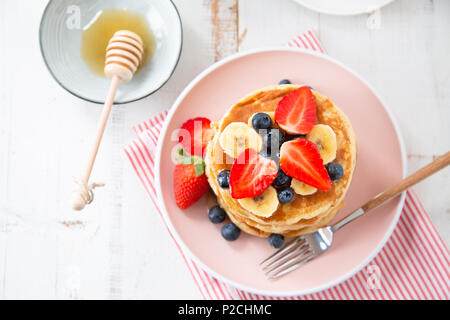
(194, 135)
(296, 112)
(251, 174)
(301, 160)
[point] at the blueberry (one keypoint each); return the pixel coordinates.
(335, 171)
(230, 231)
(282, 180)
(276, 240)
(267, 154)
(272, 140)
(261, 121)
(284, 81)
(216, 214)
(223, 179)
(286, 195)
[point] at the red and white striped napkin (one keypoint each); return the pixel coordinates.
(414, 263)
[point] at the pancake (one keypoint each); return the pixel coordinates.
(304, 212)
(289, 233)
(316, 222)
(270, 228)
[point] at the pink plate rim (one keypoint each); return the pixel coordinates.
(177, 237)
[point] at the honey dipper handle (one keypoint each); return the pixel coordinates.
(82, 194)
(101, 126)
(416, 177)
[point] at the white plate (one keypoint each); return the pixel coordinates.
(344, 7)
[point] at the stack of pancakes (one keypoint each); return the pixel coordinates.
(305, 213)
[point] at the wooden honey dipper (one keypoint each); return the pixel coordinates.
(123, 55)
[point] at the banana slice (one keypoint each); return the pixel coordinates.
(271, 115)
(263, 205)
(325, 139)
(302, 188)
(238, 136)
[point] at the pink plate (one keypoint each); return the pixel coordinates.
(380, 164)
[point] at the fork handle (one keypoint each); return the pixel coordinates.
(409, 181)
(390, 193)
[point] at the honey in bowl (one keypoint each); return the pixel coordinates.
(96, 35)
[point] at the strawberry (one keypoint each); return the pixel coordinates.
(195, 134)
(296, 112)
(251, 174)
(189, 180)
(301, 160)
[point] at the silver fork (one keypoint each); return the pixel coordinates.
(307, 247)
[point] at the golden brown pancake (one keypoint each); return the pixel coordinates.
(305, 213)
(256, 231)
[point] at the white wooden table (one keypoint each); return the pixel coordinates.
(118, 247)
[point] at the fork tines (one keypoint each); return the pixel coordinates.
(288, 258)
